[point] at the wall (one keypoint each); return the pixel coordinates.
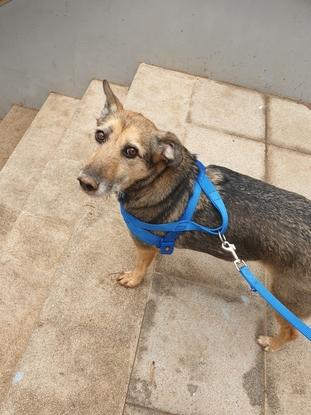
(61, 45)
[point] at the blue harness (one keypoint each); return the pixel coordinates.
(144, 232)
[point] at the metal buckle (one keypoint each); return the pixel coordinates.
(227, 246)
(239, 263)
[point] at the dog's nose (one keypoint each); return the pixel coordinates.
(88, 183)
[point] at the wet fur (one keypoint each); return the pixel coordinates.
(265, 223)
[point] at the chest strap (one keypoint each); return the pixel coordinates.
(144, 231)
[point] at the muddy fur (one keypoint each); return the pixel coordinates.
(265, 223)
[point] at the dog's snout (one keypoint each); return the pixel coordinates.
(88, 183)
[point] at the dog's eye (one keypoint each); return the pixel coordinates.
(130, 152)
(100, 136)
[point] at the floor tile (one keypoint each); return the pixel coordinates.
(228, 108)
(214, 147)
(206, 269)
(197, 350)
(290, 170)
(288, 379)
(289, 124)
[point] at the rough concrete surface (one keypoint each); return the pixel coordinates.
(203, 268)
(289, 124)
(27, 265)
(23, 169)
(290, 170)
(224, 107)
(86, 337)
(12, 129)
(189, 351)
(215, 147)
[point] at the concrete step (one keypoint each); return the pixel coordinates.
(12, 129)
(23, 169)
(35, 245)
(196, 323)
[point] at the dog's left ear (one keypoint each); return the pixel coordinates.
(168, 148)
(112, 103)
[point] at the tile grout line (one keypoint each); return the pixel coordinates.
(266, 115)
(244, 137)
(137, 344)
(188, 118)
(266, 178)
(224, 131)
(156, 411)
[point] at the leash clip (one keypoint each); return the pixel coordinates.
(227, 246)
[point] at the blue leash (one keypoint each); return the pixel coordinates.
(257, 286)
(144, 232)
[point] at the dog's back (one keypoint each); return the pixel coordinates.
(274, 222)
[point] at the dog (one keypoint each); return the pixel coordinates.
(154, 174)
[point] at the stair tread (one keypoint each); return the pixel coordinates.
(36, 242)
(12, 128)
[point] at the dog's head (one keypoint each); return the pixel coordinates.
(131, 149)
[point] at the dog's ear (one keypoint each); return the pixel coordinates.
(112, 102)
(168, 148)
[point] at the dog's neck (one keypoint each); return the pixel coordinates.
(163, 195)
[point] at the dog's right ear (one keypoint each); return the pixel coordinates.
(167, 148)
(112, 103)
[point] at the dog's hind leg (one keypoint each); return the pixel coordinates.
(144, 256)
(290, 288)
(286, 334)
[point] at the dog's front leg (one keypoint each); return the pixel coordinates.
(144, 256)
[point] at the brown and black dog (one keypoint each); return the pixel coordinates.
(154, 174)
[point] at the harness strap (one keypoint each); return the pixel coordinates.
(143, 231)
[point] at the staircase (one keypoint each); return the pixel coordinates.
(183, 343)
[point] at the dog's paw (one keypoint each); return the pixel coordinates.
(266, 342)
(127, 279)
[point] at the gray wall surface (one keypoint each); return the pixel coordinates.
(61, 45)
